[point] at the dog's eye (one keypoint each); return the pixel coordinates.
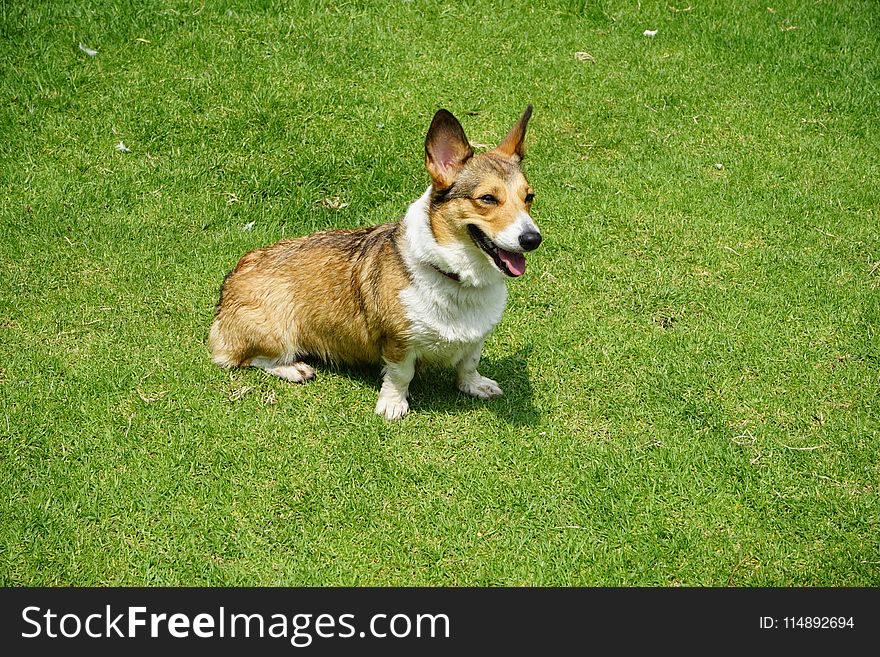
(488, 199)
(530, 197)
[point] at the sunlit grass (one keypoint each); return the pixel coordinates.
(691, 362)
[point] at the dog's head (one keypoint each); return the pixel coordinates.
(483, 200)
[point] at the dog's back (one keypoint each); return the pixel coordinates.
(333, 295)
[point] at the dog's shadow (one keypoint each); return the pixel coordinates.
(433, 389)
(516, 406)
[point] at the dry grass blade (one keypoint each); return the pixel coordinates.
(333, 203)
(238, 393)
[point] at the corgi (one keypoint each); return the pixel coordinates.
(427, 288)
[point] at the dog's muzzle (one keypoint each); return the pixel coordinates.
(530, 240)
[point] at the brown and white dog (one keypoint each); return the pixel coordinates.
(430, 287)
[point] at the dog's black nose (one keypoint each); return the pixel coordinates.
(529, 241)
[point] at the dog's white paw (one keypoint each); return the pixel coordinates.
(480, 386)
(297, 372)
(392, 407)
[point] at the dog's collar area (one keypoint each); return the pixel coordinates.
(450, 275)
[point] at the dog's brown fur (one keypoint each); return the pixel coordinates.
(333, 295)
(339, 295)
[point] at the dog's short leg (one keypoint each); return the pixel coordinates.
(295, 372)
(470, 381)
(392, 401)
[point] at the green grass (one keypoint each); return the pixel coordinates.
(691, 362)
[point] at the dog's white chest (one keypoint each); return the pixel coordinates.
(446, 317)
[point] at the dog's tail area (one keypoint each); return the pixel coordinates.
(238, 336)
(222, 353)
(227, 342)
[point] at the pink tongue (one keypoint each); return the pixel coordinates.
(516, 262)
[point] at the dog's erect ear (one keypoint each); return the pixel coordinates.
(446, 149)
(513, 144)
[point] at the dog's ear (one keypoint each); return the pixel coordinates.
(446, 149)
(513, 144)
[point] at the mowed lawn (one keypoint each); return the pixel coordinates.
(691, 361)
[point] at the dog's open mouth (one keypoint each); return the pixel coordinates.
(510, 262)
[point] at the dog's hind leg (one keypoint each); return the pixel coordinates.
(247, 341)
(297, 372)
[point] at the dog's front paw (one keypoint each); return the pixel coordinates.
(392, 407)
(480, 386)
